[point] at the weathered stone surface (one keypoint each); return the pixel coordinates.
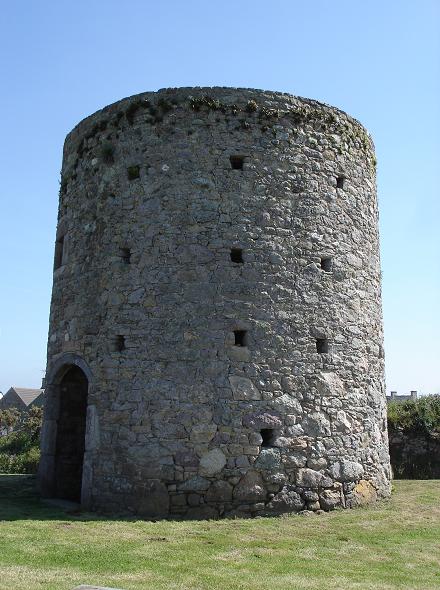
(201, 513)
(229, 339)
(287, 500)
(154, 501)
(294, 459)
(288, 403)
(342, 423)
(195, 484)
(250, 488)
(364, 493)
(346, 470)
(219, 491)
(203, 432)
(259, 420)
(268, 459)
(242, 461)
(212, 463)
(310, 496)
(92, 429)
(193, 499)
(316, 424)
(243, 388)
(277, 478)
(330, 499)
(330, 384)
(48, 436)
(308, 478)
(317, 463)
(294, 431)
(186, 459)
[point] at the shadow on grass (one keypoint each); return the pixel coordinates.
(19, 500)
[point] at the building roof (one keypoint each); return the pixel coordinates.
(26, 394)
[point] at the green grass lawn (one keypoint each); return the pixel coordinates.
(395, 544)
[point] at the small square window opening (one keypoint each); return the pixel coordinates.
(119, 343)
(268, 436)
(236, 162)
(240, 337)
(59, 253)
(322, 345)
(326, 263)
(133, 172)
(237, 255)
(125, 254)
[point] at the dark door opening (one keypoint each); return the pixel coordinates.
(71, 435)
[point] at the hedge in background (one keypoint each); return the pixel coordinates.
(416, 417)
(414, 435)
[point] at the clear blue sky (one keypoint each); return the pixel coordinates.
(377, 60)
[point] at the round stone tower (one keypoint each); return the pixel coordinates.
(215, 342)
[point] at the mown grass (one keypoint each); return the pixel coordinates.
(395, 544)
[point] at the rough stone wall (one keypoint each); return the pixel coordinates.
(414, 455)
(181, 411)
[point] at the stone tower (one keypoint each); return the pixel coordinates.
(215, 342)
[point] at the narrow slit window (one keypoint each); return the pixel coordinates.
(240, 337)
(326, 263)
(340, 180)
(59, 253)
(322, 345)
(237, 255)
(133, 172)
(236, 162)
(268, 436)
(119, 343)
(125, 254)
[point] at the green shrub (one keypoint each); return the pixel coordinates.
(19, 450)
(251, 106)
(30, 460)
(107, 152)
(421, 416)
(15, 443)
(19, 453)
(22, 463)
(9, 419)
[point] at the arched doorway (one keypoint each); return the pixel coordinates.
(70, 439)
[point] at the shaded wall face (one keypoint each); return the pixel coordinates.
(223, 383)
(414, 456)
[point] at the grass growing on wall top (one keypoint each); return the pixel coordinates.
(395, 544)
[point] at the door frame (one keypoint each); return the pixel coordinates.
(47, 468)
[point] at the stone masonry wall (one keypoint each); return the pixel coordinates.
(224, 388)
(414, 455)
